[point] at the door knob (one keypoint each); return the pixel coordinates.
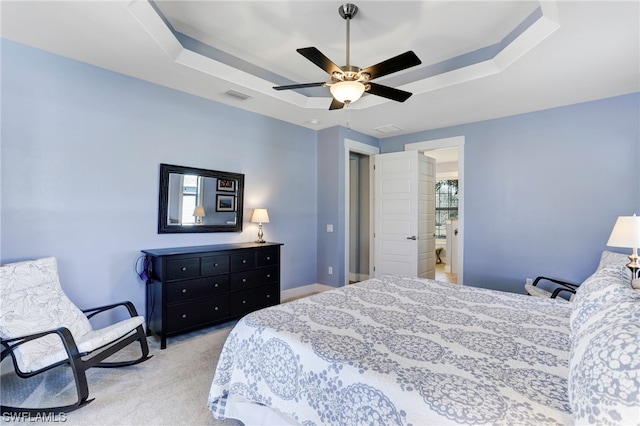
(412, 238)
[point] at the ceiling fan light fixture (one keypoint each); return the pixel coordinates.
(347, 91)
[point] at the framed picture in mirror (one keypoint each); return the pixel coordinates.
(225, 203)
(227, 185)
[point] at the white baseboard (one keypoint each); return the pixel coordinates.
(353, 277)
(305, 290)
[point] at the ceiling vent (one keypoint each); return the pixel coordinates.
(389, 128)
(238, 96)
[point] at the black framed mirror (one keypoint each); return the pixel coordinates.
(199, 200)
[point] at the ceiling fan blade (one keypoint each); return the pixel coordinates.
(318, 58)
(299, 86)
(388, 92)
(395, 64)
(335, 104)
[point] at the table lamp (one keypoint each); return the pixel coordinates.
(199, 213)
(626, 233)
(260, 216)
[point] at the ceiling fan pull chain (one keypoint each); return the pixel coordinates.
(346, 106)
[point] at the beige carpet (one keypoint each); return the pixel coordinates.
(169, 389)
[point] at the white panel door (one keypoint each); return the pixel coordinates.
(404, 214)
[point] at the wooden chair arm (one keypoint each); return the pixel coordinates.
(564, 285)
(95, 311)
(65, 335)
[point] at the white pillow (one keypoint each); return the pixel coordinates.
(604, 365)
(610, 259)
(603, 286)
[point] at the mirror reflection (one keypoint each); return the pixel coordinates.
(199, 200)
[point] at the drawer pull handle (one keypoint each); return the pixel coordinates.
(184, 315)
(244, 261)
(268, 275)
(215, 309)
(268, 257)
(184, 268)
(268, 296)
(184, 290)
(244, 280)
(215, 265)
(216, 285)
(244, 301)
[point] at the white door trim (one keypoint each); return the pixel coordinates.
(360, 148)
(452, 142)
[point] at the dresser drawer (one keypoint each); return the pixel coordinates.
(180, 269)
(268, 257)
(243, 261)
(214, 265)
(246, 301)
(196, 313)
(254, 278)
(179, 291)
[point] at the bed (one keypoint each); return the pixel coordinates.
(405, 351)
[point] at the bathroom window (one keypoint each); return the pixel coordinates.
(446, 204)
(190, 189)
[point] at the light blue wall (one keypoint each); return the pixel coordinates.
(81, 148)
(543, 190)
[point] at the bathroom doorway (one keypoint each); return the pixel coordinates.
(449, 155)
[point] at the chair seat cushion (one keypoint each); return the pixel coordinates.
(47, 351)
(537, 291)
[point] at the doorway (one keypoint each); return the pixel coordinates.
(359, 224)
(443, 150)
(365, 151)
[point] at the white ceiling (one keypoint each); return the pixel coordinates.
(494, 58)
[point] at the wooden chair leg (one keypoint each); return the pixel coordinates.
(144, 348)
(78, 369)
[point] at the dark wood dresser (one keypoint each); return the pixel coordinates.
(194, 287)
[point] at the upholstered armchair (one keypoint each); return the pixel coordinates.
(40, 328)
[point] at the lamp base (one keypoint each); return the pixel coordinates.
(260, 234)
(634, 267)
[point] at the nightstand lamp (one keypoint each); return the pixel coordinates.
(626, 233)
(198, 212)
(260, 216)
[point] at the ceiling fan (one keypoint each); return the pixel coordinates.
(348, 83)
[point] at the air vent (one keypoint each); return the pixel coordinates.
(389, 128)
(238, 96)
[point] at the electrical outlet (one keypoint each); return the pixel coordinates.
(329, 228)
(330, 271)
(529, 281)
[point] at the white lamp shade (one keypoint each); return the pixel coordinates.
(347, 91)
(199, 211)
(626, 232)
(260, 216)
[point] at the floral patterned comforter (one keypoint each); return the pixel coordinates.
(402, 351)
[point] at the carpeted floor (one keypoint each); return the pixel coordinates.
(169, 389)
